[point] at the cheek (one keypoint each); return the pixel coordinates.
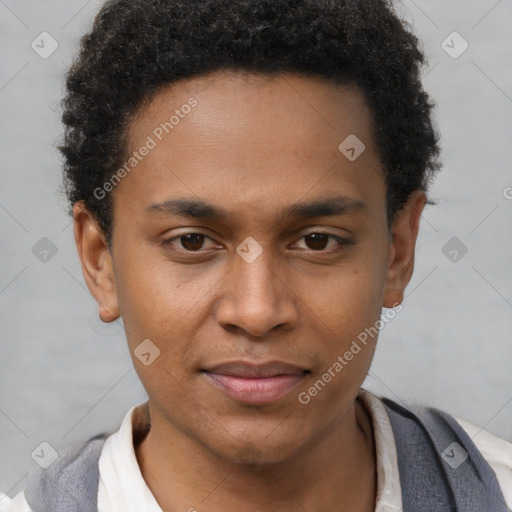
(346, 317)
(349, 297)
(156, 295)
(347, 329)
(162, 302)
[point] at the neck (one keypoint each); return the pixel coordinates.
(183, 475)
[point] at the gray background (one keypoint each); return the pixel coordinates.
(66, 375)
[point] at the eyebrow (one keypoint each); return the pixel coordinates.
(198, 209)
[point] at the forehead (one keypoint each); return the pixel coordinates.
(245, 139)
(230, 101)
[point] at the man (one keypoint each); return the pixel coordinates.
(246, 180)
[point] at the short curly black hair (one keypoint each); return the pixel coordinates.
(136, 47)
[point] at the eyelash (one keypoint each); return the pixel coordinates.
(342, 242)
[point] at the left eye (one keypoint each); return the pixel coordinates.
(320, 239)
(193, 242)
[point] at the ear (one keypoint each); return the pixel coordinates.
(404, 232)
(96, 261)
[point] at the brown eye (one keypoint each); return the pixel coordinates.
(317, 241)
(191, 242)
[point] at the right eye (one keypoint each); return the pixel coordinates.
(190, 242)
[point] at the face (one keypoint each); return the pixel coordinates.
(286, 257)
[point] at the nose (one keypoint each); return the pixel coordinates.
(257, 297)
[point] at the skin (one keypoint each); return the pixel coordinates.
(253, 145)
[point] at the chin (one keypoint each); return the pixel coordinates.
(261, 452)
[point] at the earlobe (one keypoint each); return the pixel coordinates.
(96, 261)
(108, 315)
(402, 248)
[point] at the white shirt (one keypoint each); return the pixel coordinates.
(123, 488)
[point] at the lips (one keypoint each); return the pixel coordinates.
(254, 371)
(255, 383)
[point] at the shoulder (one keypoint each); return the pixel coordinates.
(496, 451)
(77, 463)
(64, 483)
